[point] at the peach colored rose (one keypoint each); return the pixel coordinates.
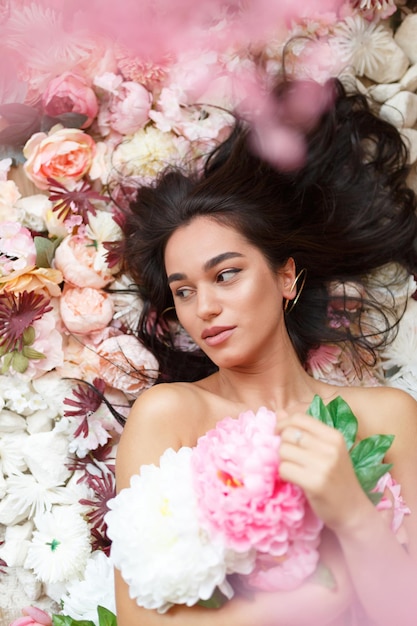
(125, 364)
(40, 279)
(84, 310)
(65, 155)
(70, 93)
(81, 263)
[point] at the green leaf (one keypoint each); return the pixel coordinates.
(20, 363)
(31, 353)
(45, 250)
(29, 336)
(370, 450)
(106, 617)
(323, 576)
(320, 411)
(344, 420)
(66, 620)
(369, 476)
(215, 602)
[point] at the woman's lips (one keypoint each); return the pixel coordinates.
(217, 334)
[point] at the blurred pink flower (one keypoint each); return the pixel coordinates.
(284, 573)
(65, 155)
(84, 310)
(17, 249)
(126, 107)
(70, 93)
(81, 264)
(240, 493)
(392, 500)
(375, 9)
(33, 617)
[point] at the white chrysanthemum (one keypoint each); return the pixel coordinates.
(147, 152)
(158, 545)
(60, 546)
(362, 44)
(84, 596)
(26, 497)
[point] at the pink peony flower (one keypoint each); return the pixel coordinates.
(33, 617)
(84, 310)
(81, 263)
(241, 495)
(126, 108)
(70, 93)
(65, 155)
(17, 250)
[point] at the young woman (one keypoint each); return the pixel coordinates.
(247, 258)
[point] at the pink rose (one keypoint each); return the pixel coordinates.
(33, 617)
(84, 310)
(81, 263)
(65, 155)
(70, 93)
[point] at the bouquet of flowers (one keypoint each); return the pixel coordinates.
(221, 508)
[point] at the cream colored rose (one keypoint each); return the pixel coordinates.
(81, 263)
(84, 310)
(64, 155)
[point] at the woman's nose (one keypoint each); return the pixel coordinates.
(208, 304)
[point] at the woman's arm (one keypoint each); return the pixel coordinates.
(383, 572)
(156, 423)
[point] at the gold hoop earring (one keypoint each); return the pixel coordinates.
(302, 274)
(169, 308)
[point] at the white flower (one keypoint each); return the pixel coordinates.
(27, 497)
(83, 597)
(148, 152)
(53, 389)
(16, 542)
(158, 545)
(35, 209)
(101, 227)
(46, 454)
(362, 44)
(127, 304)
(402, 352)
(60, 546)
(11, 457)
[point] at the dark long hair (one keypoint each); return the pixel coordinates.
(344, 213)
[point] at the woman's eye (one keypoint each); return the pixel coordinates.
(227, 275)
(183, 293)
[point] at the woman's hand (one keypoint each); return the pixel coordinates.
(315, 457)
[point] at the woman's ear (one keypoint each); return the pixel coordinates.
(287, 273)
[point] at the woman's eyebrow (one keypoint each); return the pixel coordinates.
(208, 265)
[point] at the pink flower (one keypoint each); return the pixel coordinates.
(84, 310)
(81, 263)
(123, 363)
(70, 93)
(127, 107)
(33, 617)
(17, 250)
(65, 155)
(392, 500)
(240, 493)
(284, 573)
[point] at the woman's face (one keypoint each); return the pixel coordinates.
(225, 293)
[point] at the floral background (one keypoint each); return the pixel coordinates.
(88, 99)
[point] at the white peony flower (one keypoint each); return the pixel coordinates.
(11, 456)
(162, 552)
(45, 454)
(60, 546)
(84, 596)
(146, 153)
